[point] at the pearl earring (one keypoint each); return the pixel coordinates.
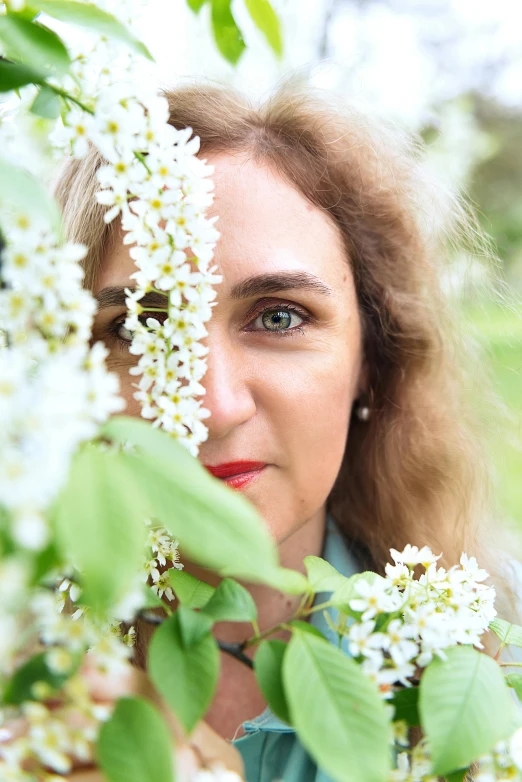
(363, 412)
(363, 406)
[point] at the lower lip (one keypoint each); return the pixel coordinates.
(243, 479)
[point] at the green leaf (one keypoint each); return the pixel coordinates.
(34, 44)
(226, 32)
(27, 13)
(93, 18)
(151, 599)
(514, 680)
(99, 523)
(20, 687)
(268, 667)
(508, 633)
(25, 193)
(322, 576)
(196, 5)
(231, 602)
(44, 561)
(306, 627)
(266, 20)
(15, 75)
(337, 711)
(189, 590)
(465, 708)
(193, 626)
(135, 744)
(457, 776)
(186, 678)
(46, 104)
(219, 529)
(406, 703)
(291, 582)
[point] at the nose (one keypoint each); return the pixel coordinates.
(228, 395)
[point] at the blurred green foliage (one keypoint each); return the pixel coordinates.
(499, 330)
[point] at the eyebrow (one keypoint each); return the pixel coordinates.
(278, 281)
(114, 296)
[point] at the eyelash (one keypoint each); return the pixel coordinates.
(306, 318)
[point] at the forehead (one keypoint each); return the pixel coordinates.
(266, 225)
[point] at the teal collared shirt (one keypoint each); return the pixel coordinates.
(270, 748)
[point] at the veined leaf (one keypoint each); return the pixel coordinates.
(46, 104)
(268, 667)
(93, 18)
(217, 527)
(231, 602)
(306, 627)
(322, 576)
(20, 686)
(186, 678)
(457, 776)
(266, 20)
(286, 580)
(337, 711)
(508, 633)
(99, 523)
(14, 75)
(189, 590)
(465, 708)
(227, 34)
(193, 625)
(406, 705)
(135, 744)
(32, 43)
(347, 592)
(196, 5)
(514, 680)
(25, 193)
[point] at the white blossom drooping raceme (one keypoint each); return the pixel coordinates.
(160, 188)
(54, 388)
(404, 622)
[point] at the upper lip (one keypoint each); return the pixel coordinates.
(228, 469)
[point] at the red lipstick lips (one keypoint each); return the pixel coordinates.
(237, 474)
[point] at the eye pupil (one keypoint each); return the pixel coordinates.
(276, 320)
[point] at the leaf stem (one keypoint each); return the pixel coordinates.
(510, 665)
(301, 612)
(141, 157)
(236, 650)
(66, 96)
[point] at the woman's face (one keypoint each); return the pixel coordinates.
(284, 363)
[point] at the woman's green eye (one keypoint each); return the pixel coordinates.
(280, 319)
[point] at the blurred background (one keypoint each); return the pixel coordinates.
(447, 70)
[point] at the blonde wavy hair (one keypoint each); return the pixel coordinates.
(415, 472)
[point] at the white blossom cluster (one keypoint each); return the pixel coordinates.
(156, 184)
(54, 388)
(404, 621)
(412, 765)
(161, 200)
(55, 736)
(504, 763)
(162, 550)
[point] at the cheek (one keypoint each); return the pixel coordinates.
(310, 414)
(120, 367)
